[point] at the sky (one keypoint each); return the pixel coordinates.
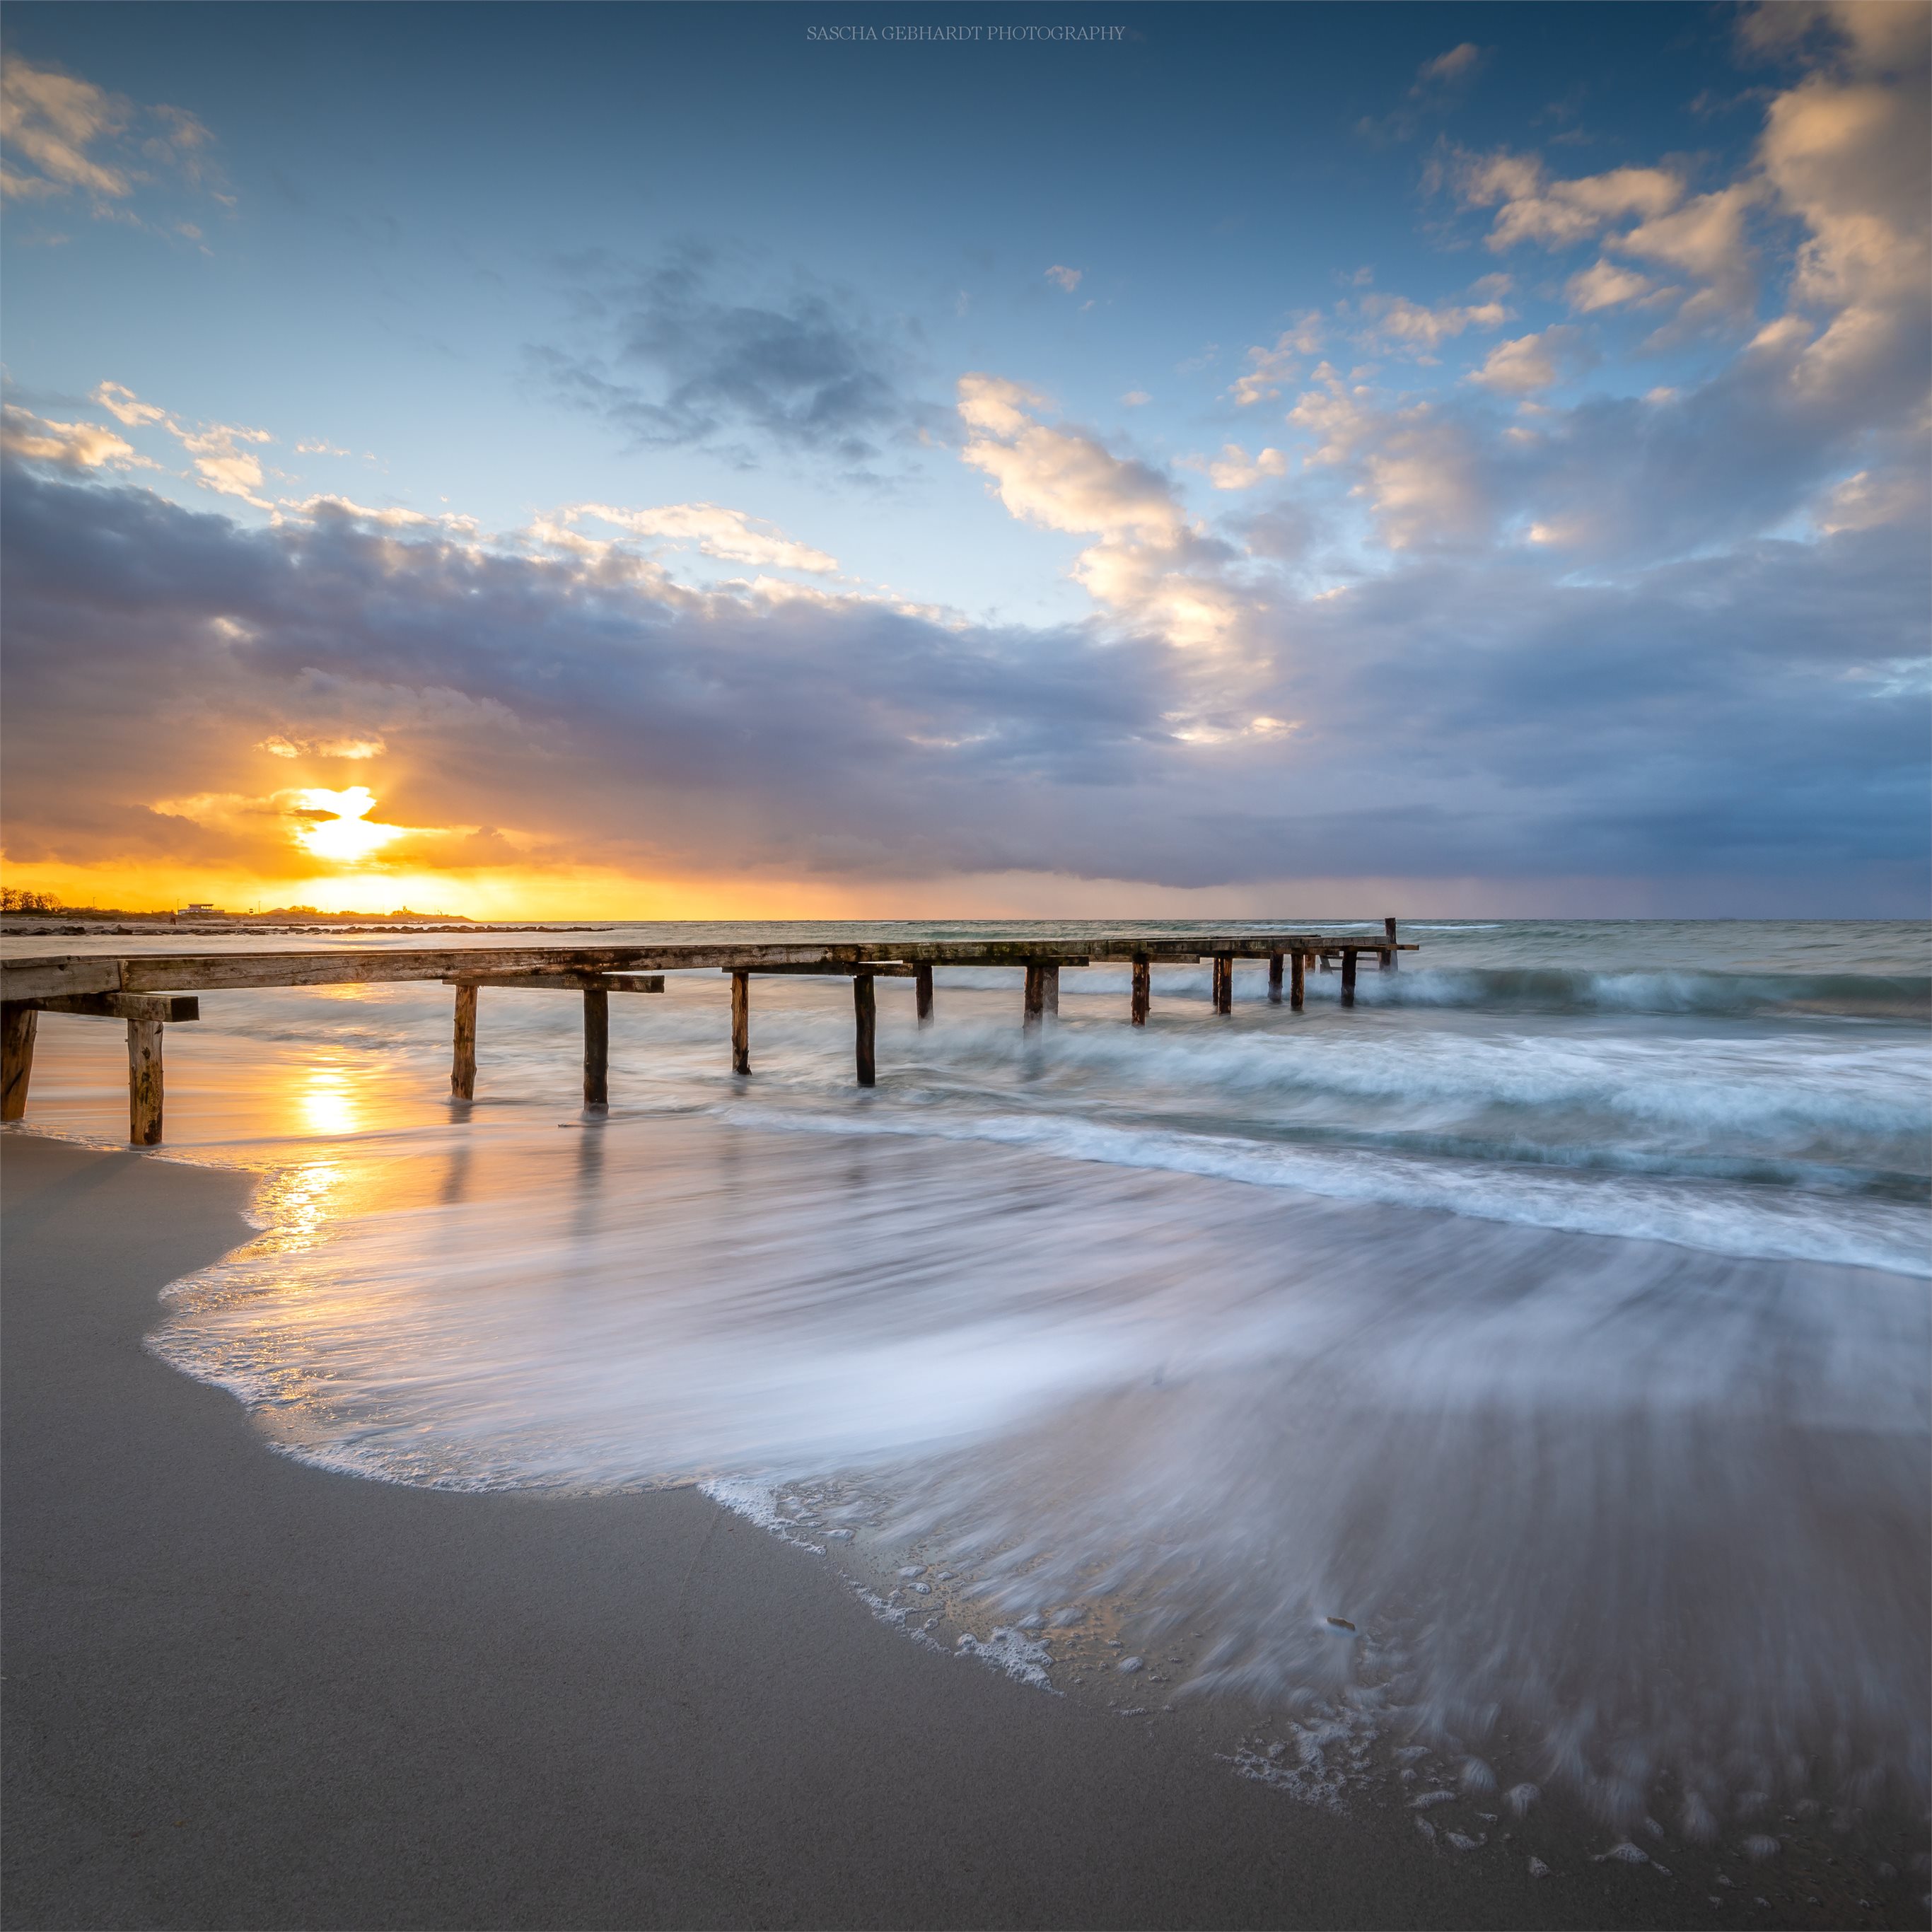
(965, 460)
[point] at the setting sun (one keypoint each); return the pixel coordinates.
(335, 825)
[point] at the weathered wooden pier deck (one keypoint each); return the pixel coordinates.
(152, 991)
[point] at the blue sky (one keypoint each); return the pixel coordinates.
(1476, 453)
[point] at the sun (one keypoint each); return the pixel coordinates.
(335, 825)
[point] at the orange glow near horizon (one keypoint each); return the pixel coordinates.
(518, 893)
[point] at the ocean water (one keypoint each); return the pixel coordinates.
(1515, 1384)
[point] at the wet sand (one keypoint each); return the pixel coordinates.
(243, 1690)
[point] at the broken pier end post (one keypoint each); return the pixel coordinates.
(1297, 981)
(1349, 956)
(1143, 993)
(922, 984)
(1391, 954)
(1275, 960)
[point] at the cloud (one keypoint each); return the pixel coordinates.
(1733, 716)
(1606, 284)
(1439, 81)
(221, 464)
(1558, 213)
(1395, 321)
(279, 746)
(728, 534)
(1271, 368)
(1068, 279)
(63, 135)
(1136, 399)
(49, 120)
(1232, 470)
(1705, 238)
(1532, 362)
(676, 364)
(73, 445)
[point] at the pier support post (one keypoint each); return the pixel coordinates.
(596, 1047)
(1143, 992)
(463, 1060)
(1224, 982)
(865, 1012)
(1042, 995)
(144, 1082)
(1274, 979)
(741, 1022)
(1297, 981)
(17, 1023)
(1347, 975)
(1389, 957)
(922, 988)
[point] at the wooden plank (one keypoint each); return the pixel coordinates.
(922, 977)
(50, 978)
(1224, 982)
(596, 1047)
(173, 1009)
(741, 1022)
(1143, 993)
(1297, 980)
(821, 970)
(144, 1082)
(1349, 976)
(864, 1013)
(565, 982)
(17, 1024)
(463, 1062)
(1274, 979)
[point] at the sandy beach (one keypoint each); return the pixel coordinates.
(243, 1691)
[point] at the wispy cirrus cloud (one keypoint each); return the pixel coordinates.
(63, 137)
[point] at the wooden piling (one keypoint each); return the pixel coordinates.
(1274, 979)
(1224, 982)
(17, 1023)
(865, 1011)
(463, 1061)
(1043, 995)
(741, 1022)
(922, 988)
(144, 1082)
(1390, 957)
(1143, 993)
(1347, 975)
(596, 1047)
(1297, 981)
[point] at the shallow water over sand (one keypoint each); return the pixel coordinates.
(1557, 1319)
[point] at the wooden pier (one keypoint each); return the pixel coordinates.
(151, 991)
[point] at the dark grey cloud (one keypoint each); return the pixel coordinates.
(1745, 718)
(668, 359)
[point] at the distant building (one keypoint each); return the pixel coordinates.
(201, 912)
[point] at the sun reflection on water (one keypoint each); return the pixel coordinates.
(328, 1102)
